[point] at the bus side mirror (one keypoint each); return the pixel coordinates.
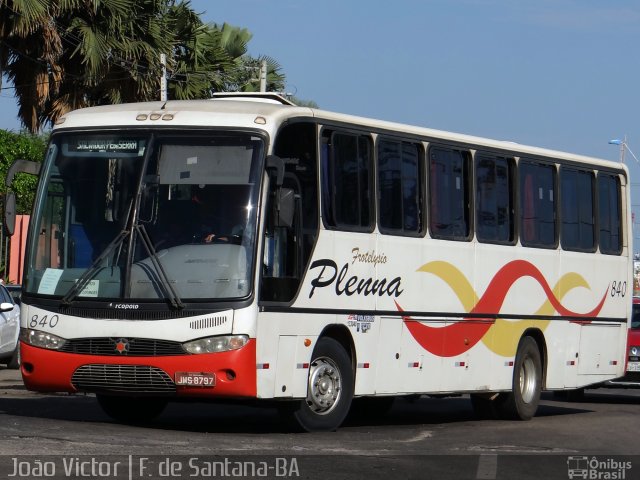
(284, 197)
(9, 213)
(276, 166)
(21, 166)
(18, 166)
(284, 207)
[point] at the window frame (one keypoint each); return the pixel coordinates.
(537, 163)
(420, 182)
(328, 207)
(594, 206)
(467, 165)
(513, 188)
(618, 183)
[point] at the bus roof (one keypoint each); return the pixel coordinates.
(268, 111)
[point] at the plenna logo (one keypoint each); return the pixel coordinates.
(596, 469)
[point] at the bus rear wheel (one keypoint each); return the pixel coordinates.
(330, 387)
(522, 402)
(131, 409)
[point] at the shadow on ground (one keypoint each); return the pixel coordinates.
(239, 418)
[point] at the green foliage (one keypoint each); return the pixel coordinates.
(24, 146)
(200, 62)
(67, 54)
(248, 79)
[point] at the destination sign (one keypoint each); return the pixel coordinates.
(105, 145)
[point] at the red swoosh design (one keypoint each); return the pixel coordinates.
(456, 339)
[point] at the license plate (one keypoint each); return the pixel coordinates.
(193, 379)
(633, 367)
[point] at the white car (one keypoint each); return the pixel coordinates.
(9, 329)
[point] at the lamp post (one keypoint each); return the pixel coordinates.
(623, 146)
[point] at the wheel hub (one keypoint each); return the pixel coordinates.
(324, 385)
(528, 381)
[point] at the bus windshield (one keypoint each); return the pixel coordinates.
(146, 216)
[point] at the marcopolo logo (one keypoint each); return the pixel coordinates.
(125, 306)
(593, 468)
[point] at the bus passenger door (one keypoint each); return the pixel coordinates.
(287, 248)
(282, 260)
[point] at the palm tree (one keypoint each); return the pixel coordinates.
(211, 58)
(67, 54)
(29, 47)
(113, 55)
(247, 72)
(199, 63)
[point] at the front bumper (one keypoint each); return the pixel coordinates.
(53, 371)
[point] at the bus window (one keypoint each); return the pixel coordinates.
(449, 209)
(347, 182)
(577, 204)
(400, 187)
(494, 199)
(609, 219)
(537, 205)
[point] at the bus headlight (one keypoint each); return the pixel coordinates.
(216, 344)
(41, 339)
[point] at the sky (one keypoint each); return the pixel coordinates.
(560, 74)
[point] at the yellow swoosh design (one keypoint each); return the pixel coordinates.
(503, 336)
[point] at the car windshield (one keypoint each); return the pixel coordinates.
(15, 291)
(142, 216)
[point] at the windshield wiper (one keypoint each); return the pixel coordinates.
(86, 277)
(174, 298)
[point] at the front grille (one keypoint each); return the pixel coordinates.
(122, 379)
(136, 347)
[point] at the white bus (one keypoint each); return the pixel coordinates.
(246, 248)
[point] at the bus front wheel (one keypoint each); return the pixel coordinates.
(131, 409)
(330, 387)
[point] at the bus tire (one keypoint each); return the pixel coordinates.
(522, 402)
(133, 410)
(330, 386)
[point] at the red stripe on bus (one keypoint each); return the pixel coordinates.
(458, 338)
